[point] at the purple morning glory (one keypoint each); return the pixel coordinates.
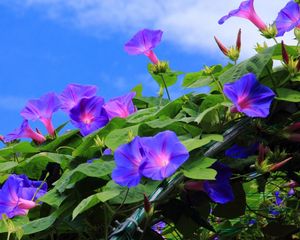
(246, 10)
(159, 227)
(42, 110)
(249, 96)
(120, 107)
(88, 115)
(74, 93)
(107, 151)
(18, 195)
(288, 18)
(143, 42)
(219, 190)
(237, 151)
(25, 131)
(128, 158)
(278, 200)
(163, 154)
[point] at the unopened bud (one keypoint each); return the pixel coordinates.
(276, 166)
(194, 185)
(238, 40)
(221, 46)
(148, 206)
(285, 56)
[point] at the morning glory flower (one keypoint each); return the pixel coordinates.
(163, 154)
(219, 190)
(288, 18)
(249, 96)
(120, 107)
(25, 131)
(143, 42)
(88, 115)
(42, 110)
(19, 194)
(246, 10)
(237, 151)
(159, 227)
(128, 158)
(74, 93)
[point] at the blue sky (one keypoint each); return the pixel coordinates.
(48, 44)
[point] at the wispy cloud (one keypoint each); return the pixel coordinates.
(189, 24)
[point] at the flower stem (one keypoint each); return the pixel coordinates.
(165, 85)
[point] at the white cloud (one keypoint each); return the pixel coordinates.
(189, 24)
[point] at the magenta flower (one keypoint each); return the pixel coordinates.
(246, 10)
(19, 194)
(42, 110)
(143, 42)
(249, 96)
(25, 131)
(163, 154)
(120, 107)
(88, 115)
(288, 18)
(128, 158)
(74, 93)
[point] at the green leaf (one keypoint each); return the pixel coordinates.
(192, 143)
(34, 165)
(87, 148)
(96, 169)
(59, 141)
(138, 89)
(256, 64)
(196, 79)
(134, 194)
(42, 224)
(53, 198)
(199, 169)
(288, 95)
(5, 166)
(93, 200)
(120, 136)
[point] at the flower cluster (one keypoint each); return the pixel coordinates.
(19, 194)
(288, 18)
(156, 157)
(87, 111)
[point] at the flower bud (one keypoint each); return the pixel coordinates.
(276, 166)
(148, 206)
(238, 40)
(160, 67)
(285, 56)
(221, 46)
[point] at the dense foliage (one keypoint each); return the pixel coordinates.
(218, 165)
